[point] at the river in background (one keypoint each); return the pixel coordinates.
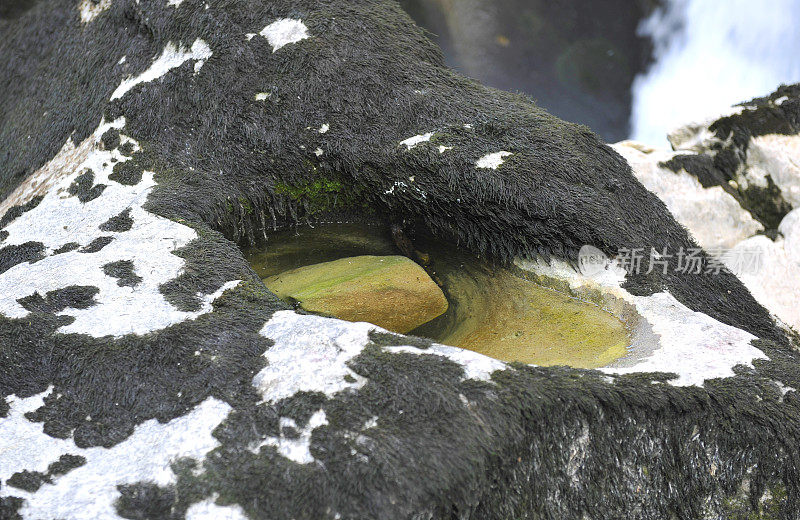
(625, 68)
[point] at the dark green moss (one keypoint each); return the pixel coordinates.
(18, 254)
(65, 464)
(29, 481)
(97, 244)
(124, 271)
(246, 206)
(772, 505)
(196, 278)
(74, 297)
(389, 339)
(10, 506)
(128, 173)
(66, 248)
(127, 149)
(145, 501)
(320, 195)
(110, 139)
(301, 406)
(119, 223)
(699, 165)
(84, 187)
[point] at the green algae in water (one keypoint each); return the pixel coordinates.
(491, 311)
(517, 320)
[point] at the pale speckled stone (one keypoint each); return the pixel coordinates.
(776, 285)
(712, 216)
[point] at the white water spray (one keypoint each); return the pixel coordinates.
(710, 55)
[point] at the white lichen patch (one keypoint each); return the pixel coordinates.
(89, 9)
(492, 161)
(283, 32)
(443, 148)
(174, 3)
(90, 491)
(64, 163)
(476, 366)
(208, 510)
(413, 141)
(261, 96)
(310, 353)
(771, 270)
(324, 128)
(295, 448)
(172, 56)
(61, 218)
(23, 445)
(691, 344)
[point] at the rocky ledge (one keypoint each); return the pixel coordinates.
(147, 372)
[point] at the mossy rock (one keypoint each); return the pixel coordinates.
(389, 291)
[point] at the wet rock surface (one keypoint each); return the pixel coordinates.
(491, 311)
(713, 216)
(773, 272)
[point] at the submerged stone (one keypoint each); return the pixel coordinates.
(518, 320)
(491, 311)
(389, 291)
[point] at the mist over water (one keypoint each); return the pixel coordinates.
(710, 55)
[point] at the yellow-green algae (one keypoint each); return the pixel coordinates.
(491, 310)
(390, 291)
(517, 320)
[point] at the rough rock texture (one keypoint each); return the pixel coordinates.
(775, 280)
(713, 216)
(142, 141)
(727, 172)
(755, 150)
(390, 291)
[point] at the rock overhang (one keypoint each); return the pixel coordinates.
(384, 408)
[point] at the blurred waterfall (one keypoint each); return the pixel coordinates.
(709, 55)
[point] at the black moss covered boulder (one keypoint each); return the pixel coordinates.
(148, 373)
